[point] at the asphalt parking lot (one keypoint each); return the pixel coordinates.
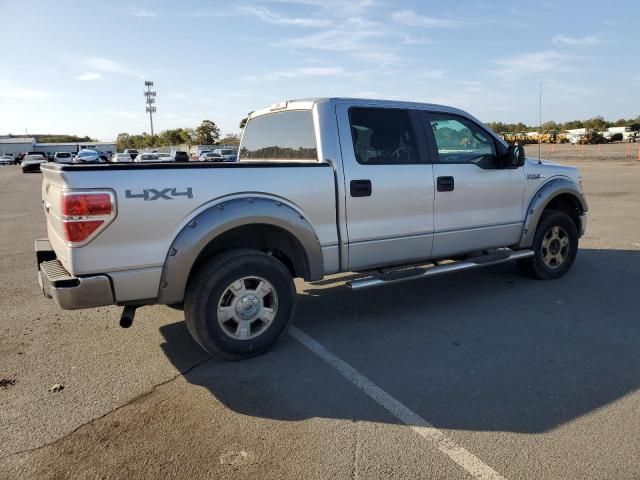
(481, 374)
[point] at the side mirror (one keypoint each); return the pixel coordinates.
(514, 157)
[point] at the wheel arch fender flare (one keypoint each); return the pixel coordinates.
(551, 189)
(225, 216)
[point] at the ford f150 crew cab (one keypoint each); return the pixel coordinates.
(395, 190)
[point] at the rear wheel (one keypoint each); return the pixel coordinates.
(555, 246)
(239, 303)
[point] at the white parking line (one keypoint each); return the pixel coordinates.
(458, 454)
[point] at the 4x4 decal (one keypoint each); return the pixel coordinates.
(150, 194)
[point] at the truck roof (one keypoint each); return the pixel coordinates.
(309, 103)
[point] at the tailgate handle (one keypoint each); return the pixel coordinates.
(445, 184)
(360, 188)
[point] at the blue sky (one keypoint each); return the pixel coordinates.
(79, 67)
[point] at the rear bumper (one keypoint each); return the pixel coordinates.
(70, 292)
(31, 168)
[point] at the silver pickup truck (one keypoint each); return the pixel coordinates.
(395, 190)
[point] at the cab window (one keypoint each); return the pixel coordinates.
(459, 140)
(382, 136)
(282, 136)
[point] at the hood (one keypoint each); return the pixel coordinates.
(550, 169)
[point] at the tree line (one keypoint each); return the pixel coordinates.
(596, 123)
(207, 133)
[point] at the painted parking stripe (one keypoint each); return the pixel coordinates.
(458, 454)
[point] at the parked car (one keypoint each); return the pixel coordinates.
(121, 158)
(31, 163)
(132, 152)
(6, 160)
(146, 157)
(211, 157)
(181, 156)
(87, 156)
(21, 156)
(164, 157)
(62, 157)
(396, 191)
(228, 155)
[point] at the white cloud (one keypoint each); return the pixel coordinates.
(357, 42)
(106, 65)
(21, 93)
(122, 114)
(530, 63)
(302, 72)
(142, 12)
(589, 40)
(432, 74)
(266, 15)
(413, 19)
(89, 76)
(339, 7)
(411, 40)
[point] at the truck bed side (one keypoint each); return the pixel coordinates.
(155, 202)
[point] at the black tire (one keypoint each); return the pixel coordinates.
(536, 267)
(209, 287)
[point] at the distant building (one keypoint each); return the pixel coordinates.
(16, 145)
(75, 147)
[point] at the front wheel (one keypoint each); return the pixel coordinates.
(239, 303)
(555, 246)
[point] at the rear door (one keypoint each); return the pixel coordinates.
(389, 186)
(478, 205)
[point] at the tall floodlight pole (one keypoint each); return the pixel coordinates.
(151, 99)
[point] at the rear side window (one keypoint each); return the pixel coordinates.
(382, 136)
(282, 136)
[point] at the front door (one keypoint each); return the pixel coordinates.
(478, 205)
(389, 186)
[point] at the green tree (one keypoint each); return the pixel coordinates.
(230, 139)
(597, 123)
(207, 133)
(550, 126)
(124, 141)
(243, 122)
(171, 137)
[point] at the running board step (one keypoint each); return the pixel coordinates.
(396, 276)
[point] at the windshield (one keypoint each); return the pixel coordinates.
(63, 155)
(283, 136)
(87, 153)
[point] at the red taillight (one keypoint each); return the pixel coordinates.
(85, 214)
(75, 232)
(86, 204)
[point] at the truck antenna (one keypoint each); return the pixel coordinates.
(540, 133)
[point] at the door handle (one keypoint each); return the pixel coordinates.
(360, 188)
(445, 184)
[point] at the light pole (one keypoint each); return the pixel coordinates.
(151, 99)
